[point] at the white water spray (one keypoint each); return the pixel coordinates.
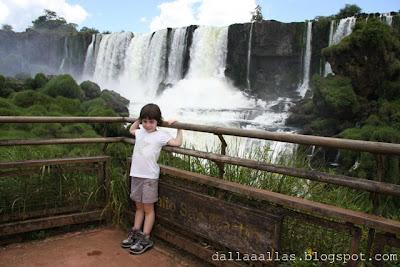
(249, 56)
(306, 62)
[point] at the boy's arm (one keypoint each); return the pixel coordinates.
(177, 141)
(134, 127)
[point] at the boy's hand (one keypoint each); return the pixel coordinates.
(170, 122)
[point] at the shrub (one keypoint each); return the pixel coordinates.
(29, 97)
(91, 89)
(334, 97)
(63, 85)
(39, 81)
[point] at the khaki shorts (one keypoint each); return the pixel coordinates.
(144, 190)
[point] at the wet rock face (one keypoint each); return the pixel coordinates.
(275, 61)
(32, 52)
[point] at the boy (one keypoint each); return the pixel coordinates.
(145, 172)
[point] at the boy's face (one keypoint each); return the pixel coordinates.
(149, 125)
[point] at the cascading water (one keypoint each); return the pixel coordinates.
(387, 18)
(88, 65)
(111, 55)
(175, 58)
(156, 61)
(249, 57)
(208, 52)
(328, 68)
(66, 55)
(344, 28)
(306, 62)
(204, 96)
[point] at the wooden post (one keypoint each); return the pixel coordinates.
(380, 168)
(355, 244)
(221, 165)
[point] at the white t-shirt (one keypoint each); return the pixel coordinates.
(146, 152)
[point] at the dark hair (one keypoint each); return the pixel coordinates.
(152, 112)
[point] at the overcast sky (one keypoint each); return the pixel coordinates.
(149, 15)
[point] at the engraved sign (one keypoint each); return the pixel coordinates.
(234, 226)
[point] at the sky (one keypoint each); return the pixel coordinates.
(150, 15)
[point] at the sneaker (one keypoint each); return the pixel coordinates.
(133, 237)
(143, 244)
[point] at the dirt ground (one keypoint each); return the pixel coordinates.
(99, 247)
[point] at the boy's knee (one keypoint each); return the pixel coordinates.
(139, 206)
(148, 208)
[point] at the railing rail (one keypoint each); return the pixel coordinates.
(357, 145)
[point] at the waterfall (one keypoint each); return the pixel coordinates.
(328, 68)
(145, 65)
(344, 29)
(388, 18)
(249, 57)
(175, 58)
(208, 52)
(111, 55)
(88, 65)
(156, 61)
(61, 68)
(306, 62)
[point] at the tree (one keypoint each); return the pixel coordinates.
(256, 15)
(89, 30)
(50, 21)
(348, 11)
(7, 28)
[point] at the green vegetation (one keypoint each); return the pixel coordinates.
(63, 85)
(46, 188)
(361, 101)
(257, 15)
(7, 28)
(348, 10)
(50, 21)
(59, 96)
(89, 30)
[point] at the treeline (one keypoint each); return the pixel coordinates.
(51, 22)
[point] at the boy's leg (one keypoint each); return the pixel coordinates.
(144, 241)
(135, 233)
(139, 216)
(149, 218)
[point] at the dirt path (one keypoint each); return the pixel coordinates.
(100, 247)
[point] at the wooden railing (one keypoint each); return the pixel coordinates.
(312, 211)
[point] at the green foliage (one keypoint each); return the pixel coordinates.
(7, 28)
(256, 15)
(39, 81)
(4, 91)
(91, 89)
(334, 97)
(94, 104)
(63, 85)
(89, 30)
(370, 58)
(68, 106)
(29, 97)
(115, 101)
(348, 11)
(50, 21)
